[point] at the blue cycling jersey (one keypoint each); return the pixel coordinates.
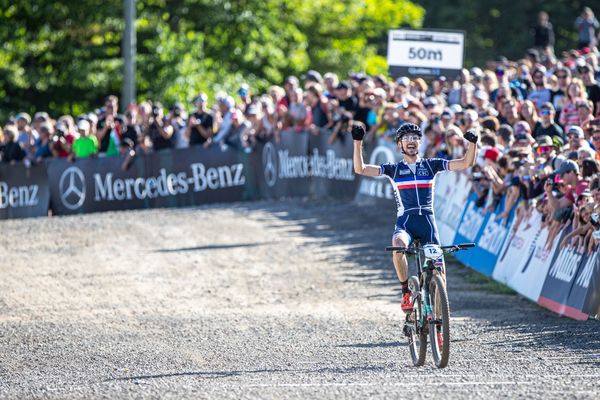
(414, 190)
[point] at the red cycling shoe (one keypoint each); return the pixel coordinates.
(407, 303)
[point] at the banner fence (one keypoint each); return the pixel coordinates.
(301, 164)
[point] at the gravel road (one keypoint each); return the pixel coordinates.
(269, 300)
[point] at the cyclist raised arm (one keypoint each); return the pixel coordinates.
(469, 159)
(358, 132)
(413, 181)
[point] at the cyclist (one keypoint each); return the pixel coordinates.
(412, 179)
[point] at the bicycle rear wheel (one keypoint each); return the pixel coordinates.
(417, 338)
(439, 331)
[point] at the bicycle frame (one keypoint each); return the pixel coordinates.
(426, 271)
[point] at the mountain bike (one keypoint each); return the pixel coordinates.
(431, 310)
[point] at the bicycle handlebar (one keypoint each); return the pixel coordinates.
(446, 249)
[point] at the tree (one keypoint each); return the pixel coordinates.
(65, 57)
(502, 27)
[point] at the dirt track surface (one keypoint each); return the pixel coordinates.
(269, 300)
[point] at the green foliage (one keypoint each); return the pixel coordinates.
(65, 56)
(502, 27)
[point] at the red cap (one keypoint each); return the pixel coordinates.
(491, 154)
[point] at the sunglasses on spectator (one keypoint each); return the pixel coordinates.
(544, 149)
(561, 76)
(596, 138)
(545, 111)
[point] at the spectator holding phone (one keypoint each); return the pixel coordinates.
(109, 127)
(159, 131)
(199, 128)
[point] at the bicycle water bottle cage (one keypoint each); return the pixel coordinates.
(432, 251)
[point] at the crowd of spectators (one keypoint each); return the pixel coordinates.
(539, 119)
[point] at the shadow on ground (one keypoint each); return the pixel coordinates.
(365, 231)
(232, 373)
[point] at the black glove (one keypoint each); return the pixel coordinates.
(471, 135)
(358, 131)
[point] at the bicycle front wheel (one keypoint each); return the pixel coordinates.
(439, 330)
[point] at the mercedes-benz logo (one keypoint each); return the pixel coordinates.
(269, 160)
(72, 188)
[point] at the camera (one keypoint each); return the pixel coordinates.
(59, 131)
(155, 112)
(346, 117)
(477, 176)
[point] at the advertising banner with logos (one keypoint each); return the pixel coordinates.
(172, 178)
(589, 278)
(24, 191)
(196, 176)
(283, 168)
(486, 231)
(92, 185)
(560, 282)
(528, 276)
(451, 193)
(332, 168)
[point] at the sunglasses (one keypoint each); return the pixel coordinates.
(595, 138)
(411, 138)
(544, 149)
(561, 76)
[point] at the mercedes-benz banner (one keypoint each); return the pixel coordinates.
(24, 191)
(332, 167)
(172, 178)
(283, 167)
